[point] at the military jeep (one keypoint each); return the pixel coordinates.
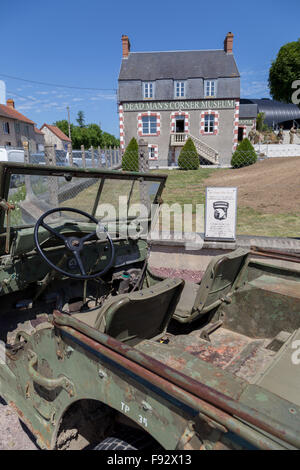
(100, 352)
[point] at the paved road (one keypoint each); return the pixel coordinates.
(13, 435)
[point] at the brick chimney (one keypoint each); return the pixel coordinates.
(10, 103)
(125, 46)
(228, 43)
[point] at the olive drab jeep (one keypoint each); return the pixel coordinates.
(100, 352)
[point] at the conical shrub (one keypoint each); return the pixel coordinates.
(130, 160)
(188, 158)
(244, 155)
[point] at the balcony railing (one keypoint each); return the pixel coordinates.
(179, 138)
(204, 150)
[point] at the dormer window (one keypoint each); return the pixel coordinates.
(210, 88)
(179, 89)
(148, 90)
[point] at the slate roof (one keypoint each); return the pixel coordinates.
(248, 110)
(56, 131)
(178, 65)
(12, 113)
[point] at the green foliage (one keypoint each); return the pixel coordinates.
(80, 119)
(284, 70)
(130, 160)
(63, 126)
(87, 135)
(244, 155)
(109, 140)
(260, 123)
(188, 157)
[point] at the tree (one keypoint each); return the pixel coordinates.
(109, 140)
(188, 157)
(130, 160)
(244, 155)
(80, 119)
(63, 126)
(88, 135)
(260, 123)
(285, 69)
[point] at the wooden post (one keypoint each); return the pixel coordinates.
(83, 156)
(26, 151)
(105, 153)
(99, 157)
(50, 155)
(29, 192)
(93, 156)
(50, 158)
(110, 157)
(70, 154)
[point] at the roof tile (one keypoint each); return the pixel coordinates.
(56, 131)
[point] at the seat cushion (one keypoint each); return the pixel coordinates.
(187, 300)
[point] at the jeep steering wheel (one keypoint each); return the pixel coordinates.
(73, 244)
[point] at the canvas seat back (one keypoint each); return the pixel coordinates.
(219, 280)
(140, 315)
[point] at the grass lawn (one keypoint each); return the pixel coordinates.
(188, 187)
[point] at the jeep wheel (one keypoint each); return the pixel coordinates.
(127, 439)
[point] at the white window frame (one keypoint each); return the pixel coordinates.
(148, 90)
(210, 88)
(152, 152)
(149, 125)
(210, 120)
(180, 84)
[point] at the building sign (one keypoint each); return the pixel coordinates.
(220, 214)
(175, 105)
(246, 122)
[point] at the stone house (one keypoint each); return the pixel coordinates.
(166, 97)
(15, 128)
(54, 136)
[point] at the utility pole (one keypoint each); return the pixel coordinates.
(68, 109)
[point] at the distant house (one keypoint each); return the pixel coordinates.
(54, 136)
(40, 139)
(15, 128)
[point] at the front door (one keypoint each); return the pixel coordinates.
(179, 125)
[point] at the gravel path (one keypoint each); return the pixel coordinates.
(13, 434)
(186, 274)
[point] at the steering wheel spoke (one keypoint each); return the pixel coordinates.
(54, 232)
(88, 237)
(79, 262)
(74, 244)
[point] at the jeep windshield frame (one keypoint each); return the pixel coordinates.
(108, 186)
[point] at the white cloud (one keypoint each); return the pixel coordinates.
(254, 83)
(101, 96)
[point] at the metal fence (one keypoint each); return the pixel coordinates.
(109, 158)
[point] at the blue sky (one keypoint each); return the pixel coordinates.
(78, 44)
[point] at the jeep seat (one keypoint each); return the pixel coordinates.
(140, 315)
(220, 278)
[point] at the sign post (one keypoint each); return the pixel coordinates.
(220, 214)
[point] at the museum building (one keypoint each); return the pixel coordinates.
(166, 97)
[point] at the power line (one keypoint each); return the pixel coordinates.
(21, 96)
(56, 85)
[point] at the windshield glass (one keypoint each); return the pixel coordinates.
(104, 197)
